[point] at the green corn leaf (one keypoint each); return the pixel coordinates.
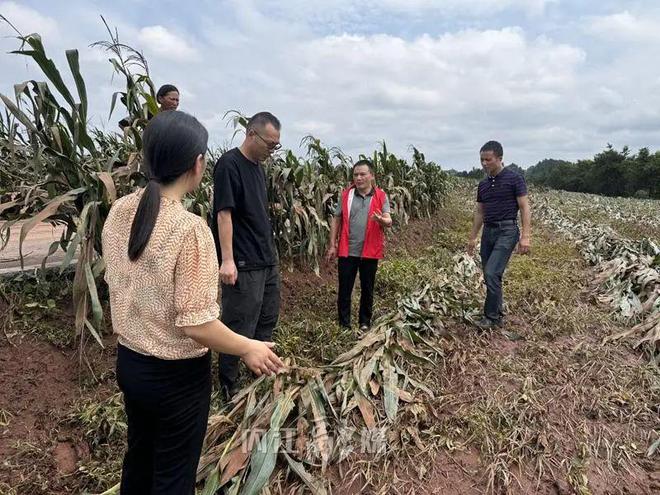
(74, 65)
(47, 211)
(70, 252)
(94, 333)
(97, 310)
(262, 463)
(47, 66)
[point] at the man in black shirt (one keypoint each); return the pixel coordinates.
(249, 273)
(499, 197)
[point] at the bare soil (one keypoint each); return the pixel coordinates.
(40, 451)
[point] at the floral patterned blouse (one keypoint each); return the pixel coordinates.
(173, 284)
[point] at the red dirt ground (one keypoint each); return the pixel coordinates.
(40, 382)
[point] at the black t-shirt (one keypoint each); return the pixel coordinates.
(240, 185)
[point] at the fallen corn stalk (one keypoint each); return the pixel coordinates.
(309, 418)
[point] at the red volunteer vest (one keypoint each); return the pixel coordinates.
(374, 236)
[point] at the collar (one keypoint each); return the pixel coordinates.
(493, 177)
(370, 193)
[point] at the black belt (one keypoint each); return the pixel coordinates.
(501, 223)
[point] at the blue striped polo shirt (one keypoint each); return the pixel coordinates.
(499, 195)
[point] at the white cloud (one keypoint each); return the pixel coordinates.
(625, 26)
(554, 95)
(162, 42)
(27, 21)
(443, 76)
(367, 15)
(469, 7)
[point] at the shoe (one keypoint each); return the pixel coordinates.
(227, 392)
(364, 328)
(487, 324)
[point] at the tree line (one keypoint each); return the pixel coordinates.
(608, 173)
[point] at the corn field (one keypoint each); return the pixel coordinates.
(517, 395)
(57, 169)
(627, 276)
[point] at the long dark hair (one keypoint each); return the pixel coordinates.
(172, 142)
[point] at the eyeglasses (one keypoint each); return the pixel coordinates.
(271, 146)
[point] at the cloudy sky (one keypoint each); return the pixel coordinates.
(548, 78)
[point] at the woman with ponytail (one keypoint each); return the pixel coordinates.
(163, 281)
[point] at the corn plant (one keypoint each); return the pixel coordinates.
(75, 179)
(627, 275)
(302, 192)
(139, 97)
(309, 418)
(60, 170)
(301, 195)
(75, 189)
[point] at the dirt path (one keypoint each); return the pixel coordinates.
(35, 247)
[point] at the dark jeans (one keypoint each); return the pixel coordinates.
(348, 267)
(251, 308)
(497, 243)
(167, 406)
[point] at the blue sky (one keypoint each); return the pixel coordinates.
(548, 78)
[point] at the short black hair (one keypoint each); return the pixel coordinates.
(493, 146)
(261, 119)
(164, 89)
(362, 162)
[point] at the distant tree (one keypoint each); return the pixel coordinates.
(638, 171)
(476, 173)
(610, 173)
(608, 176)
(541, 172)
(516, 168)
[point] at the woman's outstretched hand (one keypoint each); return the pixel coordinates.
(260, 358)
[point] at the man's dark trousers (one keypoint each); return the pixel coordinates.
(348, 267)
(498, 241)
(251, 308)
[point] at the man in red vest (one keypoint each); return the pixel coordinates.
(360, 219)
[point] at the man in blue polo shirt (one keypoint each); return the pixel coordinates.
(499, 197)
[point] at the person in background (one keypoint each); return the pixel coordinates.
(357, 239)
(162, 276)
(167, 98)
(245, 245)
(499, 197)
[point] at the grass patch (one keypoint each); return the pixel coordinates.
(40, 305)
(312, 341)
(552, 271)
(399, 276)
(103, 423)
